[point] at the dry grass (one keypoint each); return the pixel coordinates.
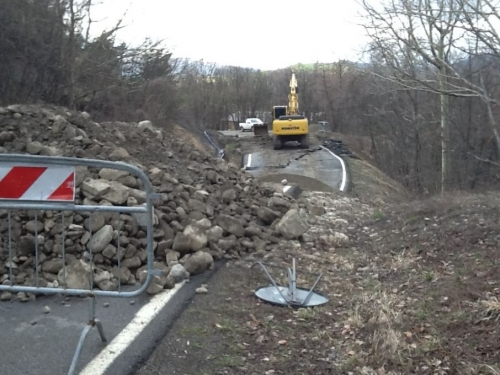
(489, 309)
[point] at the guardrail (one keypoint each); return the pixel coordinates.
(30, 184)
(220, 151)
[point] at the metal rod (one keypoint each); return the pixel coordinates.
(10, 249)
(272, 280)
(64, 252)
(294, 282)
(118, 254)
(92, 309)
(100, 329)
(36, 248)
(308, 297)
(28, 205)
(79, 347)
(91, 275)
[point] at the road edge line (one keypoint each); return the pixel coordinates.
(101, 363)
(342, 162)
(249, 160)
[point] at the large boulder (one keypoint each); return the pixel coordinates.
(292, 225)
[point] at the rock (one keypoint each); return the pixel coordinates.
(6, 136)
(182, 243)
(267, 215)
(172, 256)
(101, 239)
(108, 285)
(119, 154)
(133, 262)
(49, 151)
(52, 265)
(117, 194)
(227, 243)
(229, 196)
(59, 124)
(317, 211)
(77, 275)
(178, 273)
(201, 290)
(112, 174)
(146, 125)
(340, 237)
(5, 296)
(230, 225)
(279, 204)
(95, 188)
(110, 251)
(292, 225)
(169, 283)
(156, 285)
(33, 226)
(196, 236)
(198, 262)
(196, 205)
(46, 310)
(204, 224)
(102, 276)
(34, 148)
(215, 233)
(94, 223)
(26, 246)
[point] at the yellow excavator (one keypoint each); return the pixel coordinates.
(288, 123)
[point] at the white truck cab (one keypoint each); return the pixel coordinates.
(250, 123)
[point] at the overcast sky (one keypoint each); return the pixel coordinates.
(262, 34)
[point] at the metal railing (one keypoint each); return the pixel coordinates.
(67, 233)
(220, 151)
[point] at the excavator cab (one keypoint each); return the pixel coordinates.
(278, 111)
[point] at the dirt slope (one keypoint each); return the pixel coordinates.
(413, 289)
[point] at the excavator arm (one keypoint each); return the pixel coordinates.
(293, 97)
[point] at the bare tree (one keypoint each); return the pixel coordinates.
(410, 33)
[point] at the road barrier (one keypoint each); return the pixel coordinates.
(30, 184)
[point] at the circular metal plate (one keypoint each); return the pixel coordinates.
(270, 294)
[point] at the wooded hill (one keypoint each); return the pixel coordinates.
(425, 99)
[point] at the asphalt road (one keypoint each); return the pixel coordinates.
(232, 133)
(313, 169)
(44, 344)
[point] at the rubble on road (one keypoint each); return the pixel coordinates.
(209, 209)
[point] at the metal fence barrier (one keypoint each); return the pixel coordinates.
(31, 184)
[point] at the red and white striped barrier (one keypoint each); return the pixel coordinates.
(37, 183)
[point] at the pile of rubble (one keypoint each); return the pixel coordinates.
(209, 209)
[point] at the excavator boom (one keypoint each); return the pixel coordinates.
(293, 97)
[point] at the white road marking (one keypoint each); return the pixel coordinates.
(144, 316)
(344, 173)
(249, 161)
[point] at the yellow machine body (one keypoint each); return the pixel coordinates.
(288, 123)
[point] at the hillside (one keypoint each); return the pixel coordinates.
(412, 287)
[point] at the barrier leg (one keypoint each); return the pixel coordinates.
(92, 322)
(79, 347)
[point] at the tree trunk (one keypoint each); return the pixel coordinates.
(445, 126)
